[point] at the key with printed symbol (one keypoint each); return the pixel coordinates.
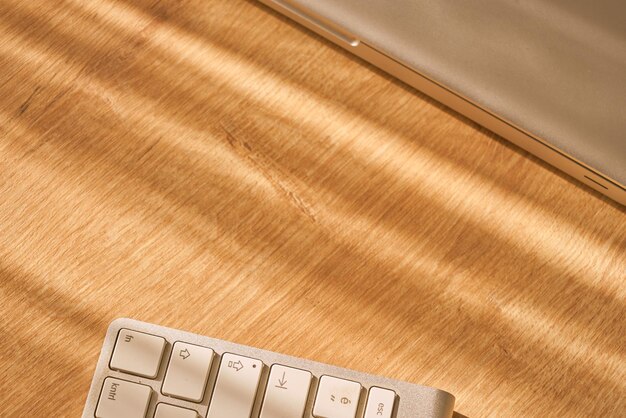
(380, 403)
(336, 398)
(137, 353)
(236, 387)
(150, 371)
(120, 398)
(187, 372)
(287, 392)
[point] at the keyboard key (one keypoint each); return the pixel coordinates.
(239, 384)
(188, 372)
(120, 398)
(380, 403)
(137, 353)
(170, 411)
(336, 398)
(287, 392)
(236, 387)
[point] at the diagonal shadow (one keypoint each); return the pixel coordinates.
(549, 302)
(369, 269)
(339, 82)
(344, 181)
(96, 150)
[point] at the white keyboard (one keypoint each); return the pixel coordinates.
(151, 371)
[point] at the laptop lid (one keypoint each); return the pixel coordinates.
(552, 70)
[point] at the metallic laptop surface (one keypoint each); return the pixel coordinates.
(548, 75)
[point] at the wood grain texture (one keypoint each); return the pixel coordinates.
(207, 165)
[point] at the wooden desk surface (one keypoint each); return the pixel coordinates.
(207, 165)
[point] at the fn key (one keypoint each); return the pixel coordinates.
(137, 353)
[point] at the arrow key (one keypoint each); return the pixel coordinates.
(287, 392)
(188, 372)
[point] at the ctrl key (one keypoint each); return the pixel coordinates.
(120, 398)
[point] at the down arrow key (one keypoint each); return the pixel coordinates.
(288, 393)
(282, 382)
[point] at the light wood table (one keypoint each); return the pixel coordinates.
(209, 166)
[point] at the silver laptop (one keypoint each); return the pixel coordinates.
(548, 75)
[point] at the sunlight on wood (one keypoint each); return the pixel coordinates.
(202, 165)
(421, 170)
